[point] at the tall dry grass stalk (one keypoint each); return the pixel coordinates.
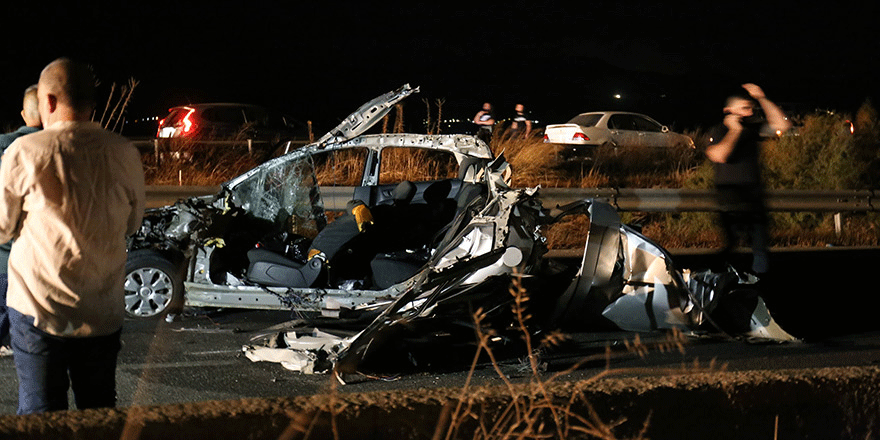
(119, 101)
(429, 123)
(433, 125)
(438, 122)
(398, 118)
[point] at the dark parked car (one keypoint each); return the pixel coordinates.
(231, 123)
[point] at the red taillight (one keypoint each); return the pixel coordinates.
(580, 136)
(187, 122)
(159, 130)
(546, 138)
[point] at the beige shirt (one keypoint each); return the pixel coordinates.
(70, 195)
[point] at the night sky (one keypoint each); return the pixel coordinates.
(321, 60)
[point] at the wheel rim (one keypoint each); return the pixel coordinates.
(148, 292)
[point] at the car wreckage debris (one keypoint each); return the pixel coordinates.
(624, 282)
(394, 284)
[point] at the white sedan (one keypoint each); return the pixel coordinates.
(615, 129)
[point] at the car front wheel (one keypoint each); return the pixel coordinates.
(153, 285)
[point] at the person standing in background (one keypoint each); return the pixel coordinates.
(485, 121)
(735, 152)
(30, 113)
(521, 125)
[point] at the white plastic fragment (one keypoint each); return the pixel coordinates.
(301, 361)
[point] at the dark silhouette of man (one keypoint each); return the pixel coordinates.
(485, 121)
(521, 124)
(735, 152)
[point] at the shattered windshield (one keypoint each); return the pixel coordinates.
(284, 192)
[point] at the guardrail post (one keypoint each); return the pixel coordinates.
(156, 150)
(251, 147)
(838, 224)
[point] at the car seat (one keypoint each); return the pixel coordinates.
(270, 269)
(393, 267)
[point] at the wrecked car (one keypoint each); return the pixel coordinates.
(399, 280)
(623, 281)
(264, 241)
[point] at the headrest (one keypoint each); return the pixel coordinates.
(404, 192)
(437, 191)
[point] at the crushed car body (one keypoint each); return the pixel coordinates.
(624, 281)
(404, 278)
(249, 245)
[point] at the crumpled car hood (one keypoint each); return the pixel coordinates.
(366, 116)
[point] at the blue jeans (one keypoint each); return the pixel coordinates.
(48, 365)
(4, 315)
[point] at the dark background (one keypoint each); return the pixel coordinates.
(320, 60)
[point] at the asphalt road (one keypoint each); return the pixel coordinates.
(822, 297)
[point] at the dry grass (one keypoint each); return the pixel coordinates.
(400, 164)
(536, 163)
(342, 168)
(183, 162)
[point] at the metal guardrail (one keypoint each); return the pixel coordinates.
(153, 143)
(161, 147)
(164, 195)
(624, 199)
(704, 200)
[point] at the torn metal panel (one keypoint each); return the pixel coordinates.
(633, 283)
(368, 114)
(594, 278)
(762, 326)
(651, 292)
(314, 352)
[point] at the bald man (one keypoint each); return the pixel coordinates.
(71, 194)
(31, 114)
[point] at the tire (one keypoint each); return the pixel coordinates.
(153, 285)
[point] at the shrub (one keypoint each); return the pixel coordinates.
(822, 154)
